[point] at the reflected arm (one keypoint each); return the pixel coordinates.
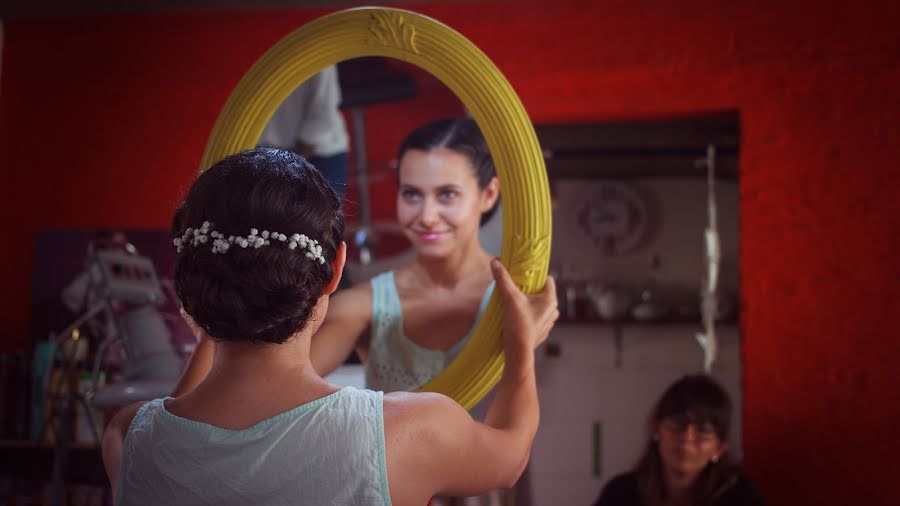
(348, 317)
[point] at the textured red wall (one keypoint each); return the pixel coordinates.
(104, 121)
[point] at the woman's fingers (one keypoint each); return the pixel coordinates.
(525, 314)
(508, 288)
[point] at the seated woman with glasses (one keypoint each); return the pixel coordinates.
(686, 460)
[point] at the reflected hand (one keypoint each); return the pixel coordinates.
(527, 319)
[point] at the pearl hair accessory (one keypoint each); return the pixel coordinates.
(221, 244)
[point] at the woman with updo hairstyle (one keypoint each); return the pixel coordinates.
(685, 462)
(258, 255)
(408, 325)
(257, 294)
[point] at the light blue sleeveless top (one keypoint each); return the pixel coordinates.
(328, 451)
(395, 363)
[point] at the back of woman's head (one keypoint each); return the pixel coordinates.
(462, 136)
(256, 287)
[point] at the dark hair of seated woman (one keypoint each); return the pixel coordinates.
(686, 458)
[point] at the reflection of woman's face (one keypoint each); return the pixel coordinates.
(687, 446)
(439, 203)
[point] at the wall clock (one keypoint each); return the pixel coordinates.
(612, 216)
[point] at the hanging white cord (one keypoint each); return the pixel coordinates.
(707, 338)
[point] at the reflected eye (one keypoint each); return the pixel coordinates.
(410, 195)
(448, 194)
(706, 428)
(680, 424)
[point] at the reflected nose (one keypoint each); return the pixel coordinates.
(429, 216)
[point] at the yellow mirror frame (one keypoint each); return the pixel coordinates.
(461, 66)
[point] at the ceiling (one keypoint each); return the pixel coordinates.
(30, 9)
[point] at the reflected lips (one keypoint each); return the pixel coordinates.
(429, 236)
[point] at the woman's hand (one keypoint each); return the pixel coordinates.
(527, 319)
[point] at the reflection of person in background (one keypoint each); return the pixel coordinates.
(263, 427)
(309, 122)
(407, 325)
(685, 462)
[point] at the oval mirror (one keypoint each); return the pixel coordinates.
(483, 92)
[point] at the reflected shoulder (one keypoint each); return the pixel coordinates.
(356, 296)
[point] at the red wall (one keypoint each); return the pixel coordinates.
(104, 121)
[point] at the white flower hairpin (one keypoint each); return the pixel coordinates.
(221, 244)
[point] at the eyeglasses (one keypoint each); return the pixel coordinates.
(679, 424)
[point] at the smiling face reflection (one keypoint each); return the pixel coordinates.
(408, 323)
(439, 202)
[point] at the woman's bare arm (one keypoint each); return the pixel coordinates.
(433, 438)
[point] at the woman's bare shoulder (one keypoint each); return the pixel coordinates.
(414, 411)
(406, 274)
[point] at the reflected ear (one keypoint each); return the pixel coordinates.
(490, 194)
(720, 451)
(337, 267)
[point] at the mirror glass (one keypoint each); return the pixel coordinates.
(417, 251)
